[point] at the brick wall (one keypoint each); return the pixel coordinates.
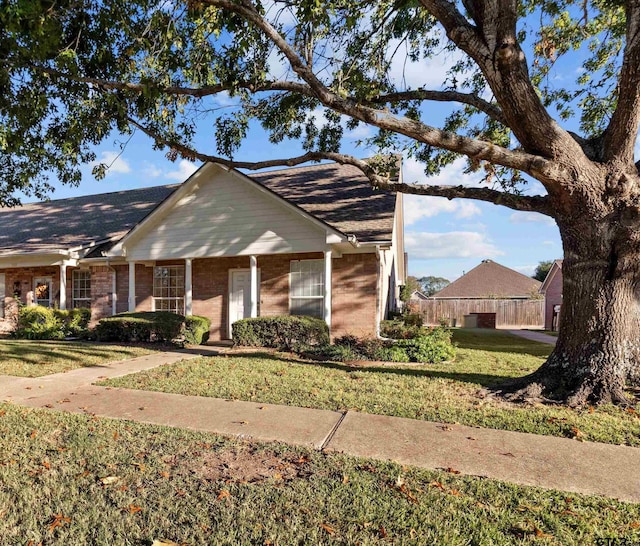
(354, 305)
(101, 293)
(552, 297)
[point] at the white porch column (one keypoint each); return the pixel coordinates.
(63, 286)
(188, 287)
(132, 287)
(327, 287)
(254, 286)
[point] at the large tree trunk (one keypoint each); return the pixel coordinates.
(597, 350)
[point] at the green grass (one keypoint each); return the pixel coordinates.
(195, 488)
(449, 392)
(27, 358)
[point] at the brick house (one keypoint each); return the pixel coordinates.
(222, 244)
(551, 289)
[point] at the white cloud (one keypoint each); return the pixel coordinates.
(531, 217)
(185, 170)
(453, 244)
(421, 206)
(451, 175)
(114, 161)
(150, 170)
(526, 269)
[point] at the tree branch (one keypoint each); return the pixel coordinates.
(471, 99)
(620, 135)
(532, 164)
(536, 203)
(196, 92)
(381, 181)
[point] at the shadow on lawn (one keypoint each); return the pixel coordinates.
(42, 352)
(413, 371)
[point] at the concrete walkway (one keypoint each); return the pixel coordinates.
(527, 459)
(541, 337)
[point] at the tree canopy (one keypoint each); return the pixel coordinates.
(542, 89)
(540, 274)
(430, 284)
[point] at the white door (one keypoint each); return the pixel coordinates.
(239, 295)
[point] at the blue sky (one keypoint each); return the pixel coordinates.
(443, 238)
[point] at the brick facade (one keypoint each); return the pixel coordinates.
(354, 295)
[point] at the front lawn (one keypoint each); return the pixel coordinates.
(448, 392)
(28, 358)
(76, 479)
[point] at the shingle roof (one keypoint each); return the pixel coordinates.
(77, 221)
(490, 279)
(338, 195)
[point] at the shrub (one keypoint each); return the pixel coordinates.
(75, 321)
(396, 329)
(337, 353)
(292, 333)
(434, 346)
(413, 319)
(145, 326)
(196, 329)
(38, 322)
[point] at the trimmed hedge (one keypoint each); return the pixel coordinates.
(287, 332)
(153, 326)
(75, 321)
(196, 329)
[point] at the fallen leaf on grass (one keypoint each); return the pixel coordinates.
(223, 494)
(46, 464)
(383, 532)
(34, 433)
(452, 470)
(140, 466)
(438, 485)
(164, 474)
(108, 480)
(577, 433)
(328, 528)
(133, 509)
(635, 525)
(58, 521)
(455, 493)
(164, 542)
(541, 534)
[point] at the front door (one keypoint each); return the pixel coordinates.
(239, 295)
(42, 293)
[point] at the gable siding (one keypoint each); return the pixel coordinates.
(226, 216)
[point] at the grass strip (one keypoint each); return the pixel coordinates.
(77, 479)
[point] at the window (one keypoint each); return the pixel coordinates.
(306, 292)
(81, 288)
(168, 288)
(42, 291)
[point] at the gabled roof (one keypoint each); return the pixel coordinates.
(417, 295)
(490, 280)
(76, 222)
(337, 195)
(555, 267)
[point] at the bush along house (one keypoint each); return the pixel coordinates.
(313, 240)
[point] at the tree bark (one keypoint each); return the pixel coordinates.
(596, 355)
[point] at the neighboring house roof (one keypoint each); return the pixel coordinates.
(338, 195)
(76, 222)
(417, 295)
(555, 267)
(490, 280)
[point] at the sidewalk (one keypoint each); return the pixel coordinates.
(527, 459)
(541, 337)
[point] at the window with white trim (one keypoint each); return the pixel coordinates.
(81, 288)
(168, 288)
(306, 288)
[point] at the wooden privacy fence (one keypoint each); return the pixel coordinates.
(509, 313)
